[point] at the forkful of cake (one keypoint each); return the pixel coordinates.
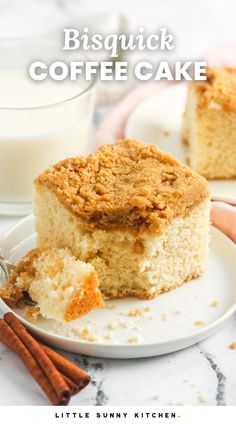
(52, 282)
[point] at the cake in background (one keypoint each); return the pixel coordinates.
(139, 216)
(209, 126)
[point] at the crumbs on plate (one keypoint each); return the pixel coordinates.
(134, 340)
(202, 398)
(232, 345)
(215, 303)
(199, 323)
(164, 317)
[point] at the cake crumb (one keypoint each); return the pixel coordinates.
(164, 317)
(85, 331)
(139, 311)
(202, 398)
(156, 397)
(199, 323)
(92, 339)
(77, 331)
(112, 325)
(232, 345)
(124, 324)
(177, 312)
(133, 340)
(150, 318)
(107, 336)
(215, 303)
(112, 306)
(166, 133)
(147, 309)
(32, 313)
(135, 312)
(136, 327)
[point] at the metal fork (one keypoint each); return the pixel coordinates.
(6, 266)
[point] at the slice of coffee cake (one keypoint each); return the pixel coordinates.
(209, 126)
(139, 216)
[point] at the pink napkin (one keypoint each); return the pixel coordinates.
(223, 215)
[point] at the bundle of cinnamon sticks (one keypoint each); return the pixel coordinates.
(57, 377)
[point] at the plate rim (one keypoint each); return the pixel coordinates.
(175, 86)
(201, 332)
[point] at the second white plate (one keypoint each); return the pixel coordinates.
(158, 120)
(162, 325)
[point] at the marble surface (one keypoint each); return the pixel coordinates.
(202, 374)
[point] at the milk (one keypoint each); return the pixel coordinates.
(38, 132)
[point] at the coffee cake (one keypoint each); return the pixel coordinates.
(138, 215)
(209, 126)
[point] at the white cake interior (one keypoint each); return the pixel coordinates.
(210, 137)
(59, 284)
(128, 263)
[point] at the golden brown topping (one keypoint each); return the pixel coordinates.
(140, 202)
(219, 90)
(11, 294)
(25, 267)
(128, 184)
(101, 189)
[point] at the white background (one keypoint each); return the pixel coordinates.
(197, 25)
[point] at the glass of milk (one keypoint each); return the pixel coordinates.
(41, 122)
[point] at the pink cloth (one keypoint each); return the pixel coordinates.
(223, 217)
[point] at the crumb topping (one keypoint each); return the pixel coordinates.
(219, 90)
(128, 184)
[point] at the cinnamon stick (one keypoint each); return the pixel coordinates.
(76, 374)
(74, 389)
(10, 339)
(44, 362)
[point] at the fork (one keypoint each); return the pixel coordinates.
(6, 267)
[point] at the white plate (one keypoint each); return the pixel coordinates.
(173, 314)
(158, 120)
